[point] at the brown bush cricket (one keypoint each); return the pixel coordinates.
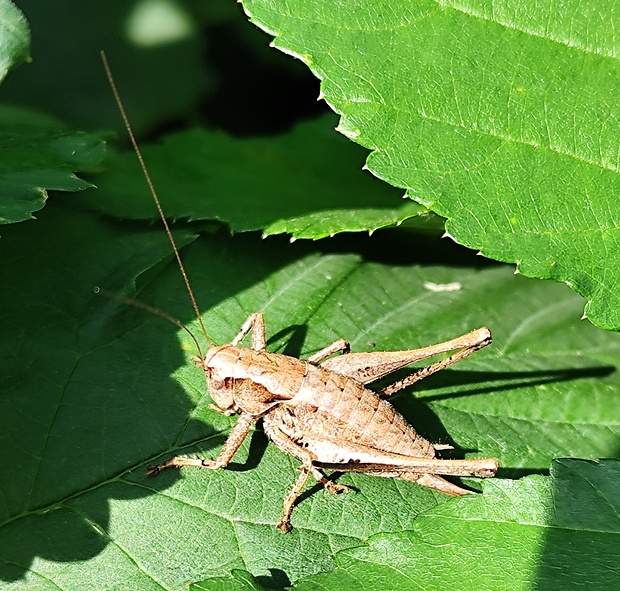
(319, 410)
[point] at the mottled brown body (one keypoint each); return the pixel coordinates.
(320, 411)
(313, 401)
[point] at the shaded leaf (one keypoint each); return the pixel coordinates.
(537, 533)
(94, 391)
(552, 533)
(14, 37)
(37, 158)
(306, 183)
(519, 153)
(238, 580)
(145, 49)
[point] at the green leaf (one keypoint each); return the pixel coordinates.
(558, 533)
(238, 580)
(500, 118)
(37, 158)
(14, 37)
(94, 391)
(153, 48)
(306, 183)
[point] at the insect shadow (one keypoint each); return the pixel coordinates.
(462, 383)
(294, 336)
(276, 579)
(508, 380)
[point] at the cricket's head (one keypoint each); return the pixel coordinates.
(235, 380)
(215, 365)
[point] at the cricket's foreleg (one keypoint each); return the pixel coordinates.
(256, 324)
(233, 442)
(339, 345)
(482, 339)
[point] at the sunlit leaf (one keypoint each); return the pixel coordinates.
(501, 118)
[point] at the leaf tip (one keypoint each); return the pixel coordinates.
(352, 134)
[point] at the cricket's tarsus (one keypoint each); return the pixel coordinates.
(318, 410)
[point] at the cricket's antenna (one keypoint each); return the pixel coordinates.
(149, 182)
(138, 304)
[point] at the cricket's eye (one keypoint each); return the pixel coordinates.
(217, 383)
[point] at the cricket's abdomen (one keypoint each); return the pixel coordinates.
(341, 409)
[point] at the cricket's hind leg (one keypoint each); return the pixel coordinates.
(368, 367)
